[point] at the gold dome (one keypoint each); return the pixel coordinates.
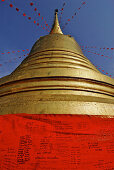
(56, 78)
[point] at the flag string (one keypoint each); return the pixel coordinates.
(103, 71)
(97, 53)
(100, 48)
(25, 15)
(75, 14)
(14, 51)
(39, 14)
(62, 9)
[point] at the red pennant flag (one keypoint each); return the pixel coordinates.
(17, 9)
(24, 14)
(11, 5)
(83, 3)
(31, 3)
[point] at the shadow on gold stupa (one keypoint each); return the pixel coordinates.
(56, 78)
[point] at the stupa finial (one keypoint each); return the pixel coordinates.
(56, 27)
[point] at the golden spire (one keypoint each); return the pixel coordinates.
(56, 27)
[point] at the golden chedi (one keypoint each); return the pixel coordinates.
(56, 78)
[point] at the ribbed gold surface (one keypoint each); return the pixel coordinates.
(56, 78)
(55, 51)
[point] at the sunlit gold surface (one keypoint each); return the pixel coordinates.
(56, 78)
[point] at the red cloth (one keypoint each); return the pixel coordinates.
(56, 142)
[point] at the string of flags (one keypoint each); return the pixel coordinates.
(103, 48)
(97, 53)
(62, 9)
(76, 13)
(25, 15)
(14, 51)
(103, 71)
(13, 59)
(39, 14)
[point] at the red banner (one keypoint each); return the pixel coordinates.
(56, 142)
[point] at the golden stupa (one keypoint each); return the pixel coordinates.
(56, 78)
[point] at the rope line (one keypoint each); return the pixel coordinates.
(103, 48)
(14, 51)
(97, 53)
(62, 9)
(103, 71)
(39, 14)
(76, 12)
(15, 58)
(25, 15)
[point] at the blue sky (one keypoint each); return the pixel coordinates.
(93, 26)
